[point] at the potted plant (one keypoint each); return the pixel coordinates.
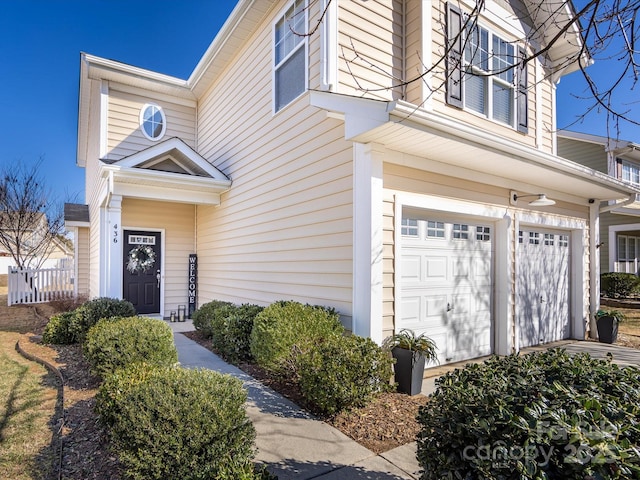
(607, 323)
(411, 352)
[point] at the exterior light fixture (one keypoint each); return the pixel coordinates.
(541, 199)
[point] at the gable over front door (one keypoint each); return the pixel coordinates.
(141, 270)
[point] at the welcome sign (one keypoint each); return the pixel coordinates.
(193, 284)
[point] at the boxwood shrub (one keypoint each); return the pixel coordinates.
(170, 422)
(72, 327)
(231, 331)
(116, 343)
(285, 329)
(619, 285)
(205, 315)
(61, 329)
(342, 372)
(546, 415)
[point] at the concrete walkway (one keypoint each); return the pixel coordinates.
(291, 442)
(295, 445)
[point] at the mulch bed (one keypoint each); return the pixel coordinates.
(386, 423)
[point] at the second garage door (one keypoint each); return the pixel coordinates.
(446, 284)
(542, 286)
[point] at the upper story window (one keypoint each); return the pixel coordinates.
(290, 55)
(631, 172)
(483, 73)
(153, 122)
(491, 95)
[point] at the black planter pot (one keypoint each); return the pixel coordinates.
(409, 370)
(607, 329)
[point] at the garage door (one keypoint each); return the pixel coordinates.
(446, 284)
(542, 286)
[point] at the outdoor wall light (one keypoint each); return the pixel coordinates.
(540, 201)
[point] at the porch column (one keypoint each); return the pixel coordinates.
(367, 240)
(113, 267)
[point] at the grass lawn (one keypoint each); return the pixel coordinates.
(27, 404)
(631, 323)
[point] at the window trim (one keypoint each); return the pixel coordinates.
(631, 165)
(303, 44)
(455, 67)
(142, 121)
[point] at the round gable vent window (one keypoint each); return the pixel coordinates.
(153, 123)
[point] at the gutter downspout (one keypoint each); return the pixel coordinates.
(625, 203)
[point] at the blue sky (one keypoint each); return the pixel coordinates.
(40, 45)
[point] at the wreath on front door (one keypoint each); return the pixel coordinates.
(141, 259)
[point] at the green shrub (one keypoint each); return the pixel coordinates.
(539, 416)
(168, 422)
(116, 343)
(619, 285)
(344, 372)
(61, 329)
(231, 335)
(284, 330)
(203, 316)
(95, 310)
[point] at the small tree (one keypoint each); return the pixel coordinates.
(31, 222)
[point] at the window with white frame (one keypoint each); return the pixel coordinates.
(409, 227)
(483, 72)
(290, 55)
(631, 172)
(435, 229)
(153, 122)
(628, 248)
(492, 94)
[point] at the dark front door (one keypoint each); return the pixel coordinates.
(141, 270)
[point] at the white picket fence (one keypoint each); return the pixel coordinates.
(39, 286)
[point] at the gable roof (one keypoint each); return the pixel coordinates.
(172, 155)
(167, 171)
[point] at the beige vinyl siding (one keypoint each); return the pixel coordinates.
(546, 112)
(371, 48)
(592, 155)
(82, 261)
(93, 189)
(284, 229)
(388, 265)
(478, 120)
(124, 135)
(177, 221)
(415, 92)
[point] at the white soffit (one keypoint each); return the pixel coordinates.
(433, 142)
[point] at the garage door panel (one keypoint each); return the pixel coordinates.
(454, 281)
(411, 309)
(436, 269)
(411, 268)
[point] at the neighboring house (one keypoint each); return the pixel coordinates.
(619, 223)
(56, 254)
(399, 207)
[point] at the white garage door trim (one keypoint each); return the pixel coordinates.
(579, 292)
(483, 212)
